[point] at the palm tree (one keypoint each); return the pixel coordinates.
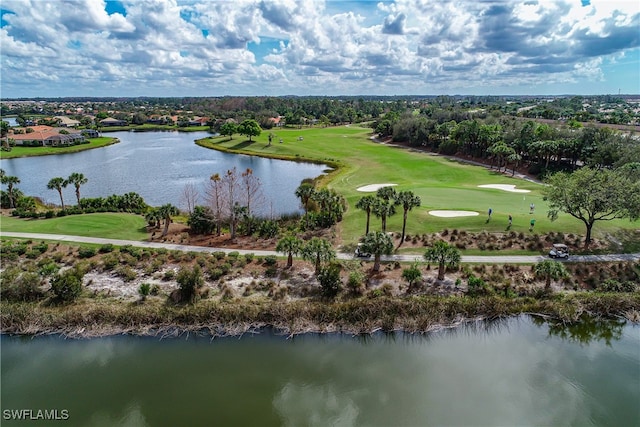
(383, 209)
(58, 183)
(77, 179)
(290, 245)
(408, 201)
(386, 193)
(305, 192)
(318, 250)
(10, 181)
(378, 243)
(550, 270)
(366, 204)
(445, 255)
(165, 211)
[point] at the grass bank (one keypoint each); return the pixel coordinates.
(415, 314)
(108, 225)
(19, 151)
(442, 184)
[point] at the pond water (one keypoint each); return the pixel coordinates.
(513, 372)
(158, 165)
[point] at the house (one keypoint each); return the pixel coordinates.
(67, 122)
(276, 121)
(61, 140)
(110, 121)
(90, 133)
(199, 121)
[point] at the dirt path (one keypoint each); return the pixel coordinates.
(476, 259)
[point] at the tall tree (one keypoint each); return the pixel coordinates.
(189, 196)
(550, 270)
(10, 181)
(408, 201)
(290, 245)
(366, 204)
(383, 210)
(318, 250)
(77, 180)
(228, 129)
(215, 198)
(378, 243)
(252, 189)
(592, 195)
(166, 211)
(57, 183)
(305, 192)
(249, 128)
(445, 255)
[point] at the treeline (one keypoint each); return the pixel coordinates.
(510, 142)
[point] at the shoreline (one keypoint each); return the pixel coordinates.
(363, 316)
(73, 149)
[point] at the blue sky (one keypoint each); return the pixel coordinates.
(314, 47)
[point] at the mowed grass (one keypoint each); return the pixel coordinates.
(442, 184)
(106, 225)
(20, 151)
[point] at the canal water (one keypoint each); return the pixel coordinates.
(158, 166)
(517, 372)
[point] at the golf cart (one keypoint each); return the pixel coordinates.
(559, 251)
(360, 252)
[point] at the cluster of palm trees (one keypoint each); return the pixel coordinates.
(163, 213)
(58, 183)
(330, 205)
(10, 182)
(384, 203)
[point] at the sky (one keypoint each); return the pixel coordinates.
(163, 48)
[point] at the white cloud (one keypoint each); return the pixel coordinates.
(406, 46)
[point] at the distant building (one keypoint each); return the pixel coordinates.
(110, 121)
(67, 122)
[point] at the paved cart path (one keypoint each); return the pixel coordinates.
(477, 259)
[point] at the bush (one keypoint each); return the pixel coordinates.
(189, 283)
(477, 287)
(329, 278)
(270, 260)
(169, 275)
(110, 261)
(104, 249)
(219, 255)
(24, 287)
(144, 290)
(86, 252)
(68, 285)
(612, 285)
(248, 257)
(127, 273)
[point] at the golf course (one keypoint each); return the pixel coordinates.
(442, 184)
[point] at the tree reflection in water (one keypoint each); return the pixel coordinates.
(585, 330)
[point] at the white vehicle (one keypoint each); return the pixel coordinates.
(559, 251)
(360, 252)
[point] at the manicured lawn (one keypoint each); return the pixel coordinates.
(19, 151)
(442, 184)
(107, 225)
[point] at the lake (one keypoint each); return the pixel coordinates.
(158, 165)
(512, 372)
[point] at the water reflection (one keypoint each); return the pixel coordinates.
(586, 330)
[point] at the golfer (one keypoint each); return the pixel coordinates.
(532, 223)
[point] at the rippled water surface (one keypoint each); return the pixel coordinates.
(511, 373)
(158, 165)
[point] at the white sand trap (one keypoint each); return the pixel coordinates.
(373, 187)
(505, 187)
(453, 214)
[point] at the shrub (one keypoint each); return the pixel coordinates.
(106, 248)
(219, 255)
(48, 269)
(248, 257)
(329, 278)
(41, 247)
(155, 290)
(110, 261)
(477, 287)
(612, 285)
(127, 273)
(189, 282)
(24, 287)
(67, 286)
(270, 260)
(355, 281)
(86, 252)
(169, 275)
(144, 290)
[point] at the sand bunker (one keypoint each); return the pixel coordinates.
(373, 187)
(505, 187)
(452, 214)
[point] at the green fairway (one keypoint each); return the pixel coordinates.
(442, 184)
(107, 225)
(20, 151)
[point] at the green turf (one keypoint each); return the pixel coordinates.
(20, 151)
(106, 225)
(441, 183)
